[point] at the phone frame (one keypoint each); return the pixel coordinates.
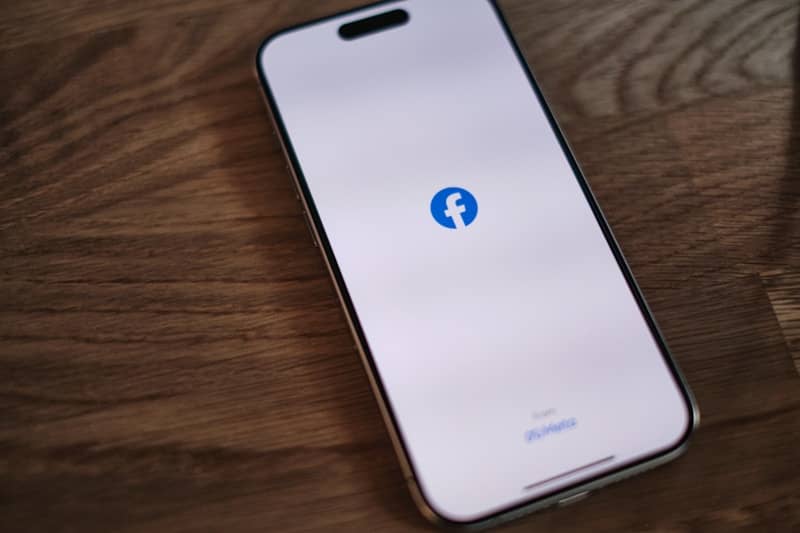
(562, 496)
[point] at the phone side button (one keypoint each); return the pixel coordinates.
(291, 177)
(310, 230)
(572, 499)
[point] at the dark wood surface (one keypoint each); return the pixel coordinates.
(172, 355)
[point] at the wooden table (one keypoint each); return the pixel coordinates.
(171, 351)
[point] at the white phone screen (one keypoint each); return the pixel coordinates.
(512, 352)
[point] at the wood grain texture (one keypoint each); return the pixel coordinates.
(172, 352)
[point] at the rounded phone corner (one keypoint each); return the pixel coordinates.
(262, 47)
(692, 419)
(274, 36)
(692, 423)
(677, 447)
(436, 516)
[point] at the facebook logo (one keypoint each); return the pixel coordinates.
(454, 207)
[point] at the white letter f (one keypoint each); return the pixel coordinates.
(454, 209)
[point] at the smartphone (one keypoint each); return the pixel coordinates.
(513, 357)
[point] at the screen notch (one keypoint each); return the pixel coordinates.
(373, 24)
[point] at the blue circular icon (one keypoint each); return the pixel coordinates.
(454, 207)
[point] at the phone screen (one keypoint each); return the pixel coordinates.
(512, 352)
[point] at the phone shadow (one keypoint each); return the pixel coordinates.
(259, 175)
